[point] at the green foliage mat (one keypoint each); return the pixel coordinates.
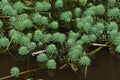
(58, 31)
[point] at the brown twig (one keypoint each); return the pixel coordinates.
(24, 72)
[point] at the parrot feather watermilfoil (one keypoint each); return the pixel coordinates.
(63, 29)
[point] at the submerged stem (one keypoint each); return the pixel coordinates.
(85, 76)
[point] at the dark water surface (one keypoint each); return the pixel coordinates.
(103, 67)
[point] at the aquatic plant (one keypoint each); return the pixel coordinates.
(84, 60)
(54, 25)
(74, 54)
(15, 71)
(59, 4)
(59, 37)
(118, 49)
(31, 45)
(77, 12)
(47, 5)
(111, 2)
(29, 35)
(85, 39)
(42, 6)
(51, 64)
(73, 35)
(70, 42)
(66, 16)
(8, 10)
(44, 20)
(36, 17)
(4, 42)
(47, 38)
(90, 11)
(92, 37)
(19, 7)
(99, 9)
(15, 36)
(38, 35)
(24, 40)
(39, 6)
(59, 31)
(51, 49)
(3, 3)
(112, 26)
(23, 50)
(83, 2)
(114, 13)
(42, 57)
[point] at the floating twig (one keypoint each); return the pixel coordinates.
(38, 52)
(97, 44)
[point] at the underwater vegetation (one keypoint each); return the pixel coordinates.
(63, 29)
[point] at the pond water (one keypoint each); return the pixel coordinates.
(104, 67)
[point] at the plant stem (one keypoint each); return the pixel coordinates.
(9, 43)
(3, 51)
(12, 55)
(4, 17)
(85, 72)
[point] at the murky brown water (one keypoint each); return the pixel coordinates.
(103, 67)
